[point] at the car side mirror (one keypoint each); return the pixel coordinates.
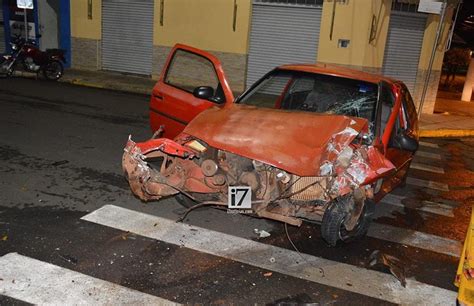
(203, 92)
(406, 142)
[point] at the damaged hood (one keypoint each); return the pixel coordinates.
(296, 142)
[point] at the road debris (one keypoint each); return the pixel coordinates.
(268, 274)
(261, 233)
(59, 163)
(68, 258)
(394, 264)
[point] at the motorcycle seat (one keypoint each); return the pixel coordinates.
(55, 51)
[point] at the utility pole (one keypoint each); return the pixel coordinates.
(25, 17)
(469, 83)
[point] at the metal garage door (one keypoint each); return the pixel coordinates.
(2, 30)
(127, 35)
(282, 34)
(403, 48)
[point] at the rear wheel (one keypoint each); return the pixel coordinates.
(336, 224)
(53, 70)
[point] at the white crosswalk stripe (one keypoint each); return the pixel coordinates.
(426, 206)
(38, 282)
(416, 239)
(367, 282)
(426, 154)
(427, 184)
(424, 167)
(429, 144)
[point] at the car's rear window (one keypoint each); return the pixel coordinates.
(311, 92)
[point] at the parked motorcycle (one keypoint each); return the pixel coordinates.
(26, 55)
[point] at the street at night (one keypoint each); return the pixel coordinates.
(237, 152)
(67, 216)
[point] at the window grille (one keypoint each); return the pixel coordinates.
(405, 6)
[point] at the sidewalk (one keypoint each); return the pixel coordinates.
(109, 80)
(452, 118)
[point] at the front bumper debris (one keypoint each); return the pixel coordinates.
(145, 182)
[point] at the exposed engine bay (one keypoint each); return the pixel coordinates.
(162, 167)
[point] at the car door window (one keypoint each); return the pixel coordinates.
(268, 92)
(409, 109)
(402, 124)
(397, 130)
(387, 100)
(188, 70)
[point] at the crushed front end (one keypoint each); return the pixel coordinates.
(161, 167)
(322, 169)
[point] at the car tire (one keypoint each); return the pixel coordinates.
(332, 227)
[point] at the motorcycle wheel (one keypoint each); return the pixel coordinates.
(4, 72)
(53, 70)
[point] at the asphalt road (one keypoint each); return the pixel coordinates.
(72, 232)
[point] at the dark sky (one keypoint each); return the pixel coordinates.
(466, 9)
(464, 28)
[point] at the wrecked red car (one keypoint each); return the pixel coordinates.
(314, 143)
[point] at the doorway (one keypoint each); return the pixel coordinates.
(48, 18)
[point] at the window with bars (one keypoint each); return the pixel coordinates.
(293, 2)
(405, 6)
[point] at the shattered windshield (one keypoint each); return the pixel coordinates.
(312, 92)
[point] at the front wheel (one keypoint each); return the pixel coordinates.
(334, 226)
(5, 71)
(53, 70)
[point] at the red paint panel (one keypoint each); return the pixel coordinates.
(174, 107)
(292, 141)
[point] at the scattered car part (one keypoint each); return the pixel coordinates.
(396, 267)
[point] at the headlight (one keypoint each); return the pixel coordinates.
(196, 145)
(14, 47)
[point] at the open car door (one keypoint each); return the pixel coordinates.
(191, 81)
(400, 140)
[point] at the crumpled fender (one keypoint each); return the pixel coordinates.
(379, 166)
(161, 144)
(353, 165)
(143, 183)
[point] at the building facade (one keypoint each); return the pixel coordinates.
(251, 37)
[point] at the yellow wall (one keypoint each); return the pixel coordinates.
(81, 26)
(353, 20)
(205, 24)
(429, 38)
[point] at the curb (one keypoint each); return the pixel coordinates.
(80, 82)
(445, 133)
(131, 90)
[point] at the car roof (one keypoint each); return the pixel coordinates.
(339, 71)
